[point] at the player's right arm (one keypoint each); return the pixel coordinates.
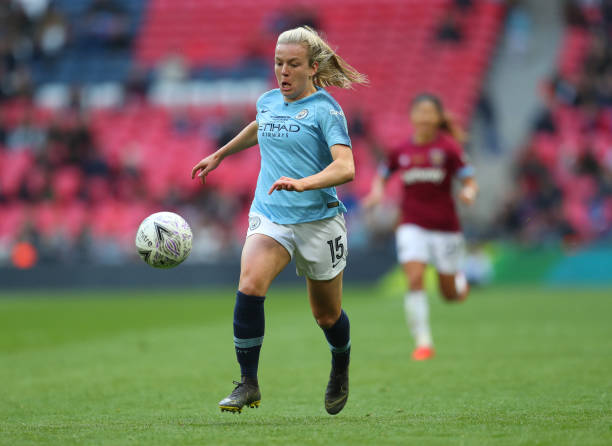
(243, 140)
(377, 191)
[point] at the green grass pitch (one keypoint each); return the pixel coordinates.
(514, 366)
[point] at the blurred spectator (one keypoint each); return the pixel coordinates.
(52, 33)
(106, 25)
(296, 15)
(574, 15)
(182, 123)
(79, 142)
(599, 55)
(15, 76)
(230, 128)
(8, 62)
(75, 98)
(27, 135)
(587, 164)
(604, 89)
(34, 8)
(486, 110)
(586, 92)
(449, 30)
(518, 28)
(560, 90)
(17, 30)
(358, 127)
(21, 82)
(606, 13)
(3, 130)
(17, 49)
(464, 5)
(137, 83)
(544, 121)
(172, 68)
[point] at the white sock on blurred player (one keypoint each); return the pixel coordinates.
(461, 283)
(417, 317)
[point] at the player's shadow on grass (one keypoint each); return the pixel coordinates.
(278, 421)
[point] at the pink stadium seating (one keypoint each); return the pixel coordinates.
(576, 136)
(14, 216)
(392, 41)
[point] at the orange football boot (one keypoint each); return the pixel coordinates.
(423, 353)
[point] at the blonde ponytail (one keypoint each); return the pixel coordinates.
(332, 69)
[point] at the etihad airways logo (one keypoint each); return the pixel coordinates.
(424, 175)
(272, 130)
(271, 127)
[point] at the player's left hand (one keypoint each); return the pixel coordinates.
(467, 195)
(286, 183)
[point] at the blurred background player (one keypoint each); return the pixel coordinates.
(429, 231)
(305, 152)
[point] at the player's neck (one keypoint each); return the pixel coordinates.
(310, 90)
(424, 138)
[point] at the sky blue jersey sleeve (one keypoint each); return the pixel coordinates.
(333, 125)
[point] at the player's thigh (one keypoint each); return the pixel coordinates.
(325, 298)
(413, 253)
(414, 272)
(448, 250)
(321, 248)
(263, 258)
(411, 243)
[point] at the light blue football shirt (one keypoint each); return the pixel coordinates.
(294, 141)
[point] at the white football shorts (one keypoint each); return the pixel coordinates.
(318, 247)
(443, 250)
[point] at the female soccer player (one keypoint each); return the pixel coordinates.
(429, 232)
(305, 152)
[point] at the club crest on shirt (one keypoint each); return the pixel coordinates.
(302, 114)
(254, 223)
(436, 156)
(404, 160)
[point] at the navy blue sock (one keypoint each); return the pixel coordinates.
(339, 339)
(249, 324)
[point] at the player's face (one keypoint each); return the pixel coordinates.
(425, 117)
(293, 73)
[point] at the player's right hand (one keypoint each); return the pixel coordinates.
(371, 200)
(205, 166)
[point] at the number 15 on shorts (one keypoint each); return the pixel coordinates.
(336, 250)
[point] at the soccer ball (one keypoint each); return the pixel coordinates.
(164, 240)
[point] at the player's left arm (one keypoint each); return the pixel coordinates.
(341, 170)
(463, 171)
(469, 190)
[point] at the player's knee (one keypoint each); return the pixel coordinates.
(326, 320)
(415, 281)
(252, 286)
